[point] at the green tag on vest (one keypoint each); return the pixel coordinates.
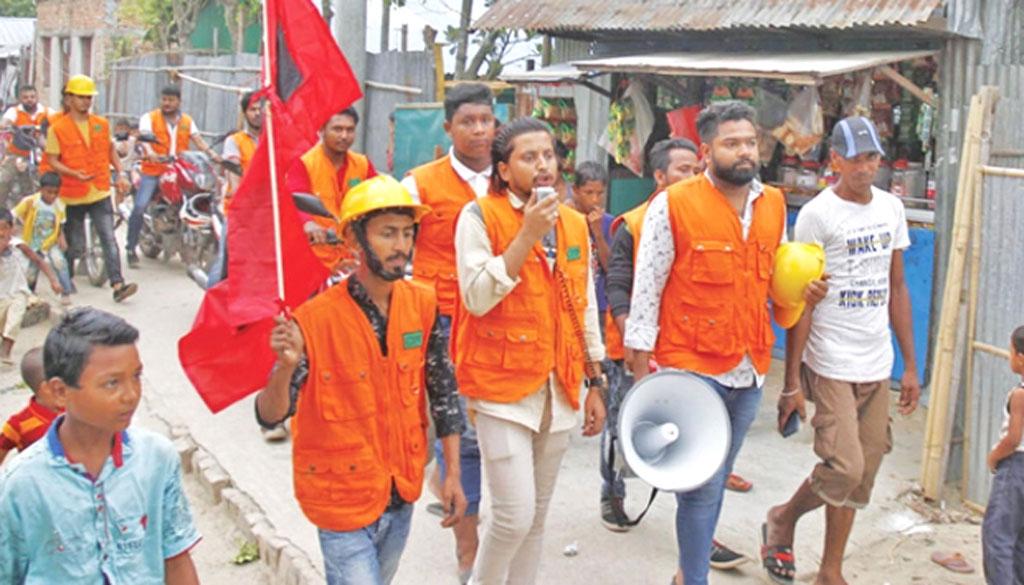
(97, 128)
(353, 182)
(573, 253)
(412, 340)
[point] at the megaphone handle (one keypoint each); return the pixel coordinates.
(654, 490)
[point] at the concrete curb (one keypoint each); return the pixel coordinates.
(288, 563)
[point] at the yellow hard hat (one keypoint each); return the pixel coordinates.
(796, 265)
(380, 192)
(81, 85)
(787, 317)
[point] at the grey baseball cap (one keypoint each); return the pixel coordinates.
(855, 135)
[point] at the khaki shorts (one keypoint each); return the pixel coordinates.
(851, 435)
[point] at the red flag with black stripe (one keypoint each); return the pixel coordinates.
(227, 355)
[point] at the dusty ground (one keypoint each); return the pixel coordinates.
(891, 543)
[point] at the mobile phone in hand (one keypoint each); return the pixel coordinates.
(544, 192)
(792, 424)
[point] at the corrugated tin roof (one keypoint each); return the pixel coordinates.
(702, 15)
(16, 33)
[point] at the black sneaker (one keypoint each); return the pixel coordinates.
(613, 514)
(133, 259)
(124, 291)
(724, 558)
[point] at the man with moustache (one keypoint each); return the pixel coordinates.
(526, 339)
(447, 185)
(700, 298)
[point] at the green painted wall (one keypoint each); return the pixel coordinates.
(212, 18)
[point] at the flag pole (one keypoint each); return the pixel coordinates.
(274, 202)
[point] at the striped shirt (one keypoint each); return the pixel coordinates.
(26, 427)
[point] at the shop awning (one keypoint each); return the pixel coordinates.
(559, 72)
(794, 68)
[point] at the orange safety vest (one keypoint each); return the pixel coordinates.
(93, 158)
(24, 119)
(163, 144)
(510, 351)
(246, 148)
(360, 422)
(634, 221)
(714, 308)
(441, 188)
(323, 179)
(44, 161)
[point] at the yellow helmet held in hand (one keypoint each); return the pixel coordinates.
(81, 85)
(380, 192)
(797, 264)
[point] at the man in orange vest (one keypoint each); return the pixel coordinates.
(174, 131)
(28, 112)
(78, 146)
(447, 185)
(329, 170)
(365, 355)
(526, 339)
(700, 298)
(240, 147)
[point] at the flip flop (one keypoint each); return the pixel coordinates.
(736, 483)
(777, 559)
(952, 562)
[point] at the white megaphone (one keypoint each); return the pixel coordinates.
(674, 430)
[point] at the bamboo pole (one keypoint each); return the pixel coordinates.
(1002, 172)
(940, 413)
(977, 215)
(1001, 352)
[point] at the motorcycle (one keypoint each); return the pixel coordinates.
(182, 218)
(26, 178)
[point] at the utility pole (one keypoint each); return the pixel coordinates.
(385, 26)
(462, 50)
(350, 32)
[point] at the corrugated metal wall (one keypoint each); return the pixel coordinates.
(411, 69)
(999, 312)
(133, 87)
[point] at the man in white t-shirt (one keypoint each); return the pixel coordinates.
(839, 355)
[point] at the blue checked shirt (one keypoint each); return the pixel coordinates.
(59, 525)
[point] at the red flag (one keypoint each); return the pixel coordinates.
(226, 355)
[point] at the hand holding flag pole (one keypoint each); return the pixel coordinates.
(306, 80)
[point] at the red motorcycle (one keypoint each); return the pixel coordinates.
(179, 219)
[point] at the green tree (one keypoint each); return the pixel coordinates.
(492, 47)
(23, 8)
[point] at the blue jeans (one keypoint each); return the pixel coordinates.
(469, 449)
(1002, 533)
(370, 555)
(620, 380)
(697, 511)
(147, 188)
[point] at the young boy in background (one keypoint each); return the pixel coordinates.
(28, 426)
(1002, 533)
(95, 502)
(14, 291)
(41, 216)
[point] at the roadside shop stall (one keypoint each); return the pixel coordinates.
(798, 97)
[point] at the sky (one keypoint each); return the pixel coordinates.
(418, 13)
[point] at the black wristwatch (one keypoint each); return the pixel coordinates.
(600, 385)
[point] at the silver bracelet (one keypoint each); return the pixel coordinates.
(787, 394)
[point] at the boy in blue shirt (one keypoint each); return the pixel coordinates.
(94, 502)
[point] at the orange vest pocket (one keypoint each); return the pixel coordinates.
(341, 397)
(712, 262)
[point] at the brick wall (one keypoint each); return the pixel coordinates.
(84, 28)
